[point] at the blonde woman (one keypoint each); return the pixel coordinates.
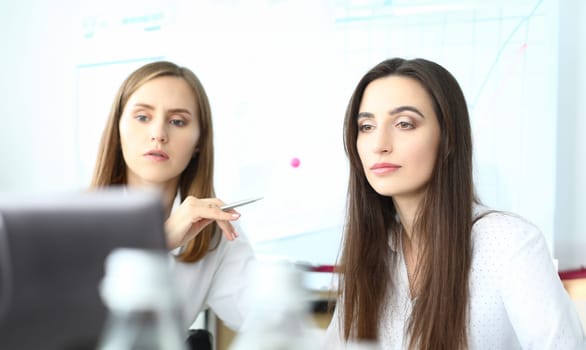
(159, 135)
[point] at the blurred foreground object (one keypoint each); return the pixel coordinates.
(280, 317)
(144, 313)
(52, 252)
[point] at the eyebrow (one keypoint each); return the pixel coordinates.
(172, 110)
(392, 112)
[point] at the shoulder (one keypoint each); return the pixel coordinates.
(503, 234)
(500, 225)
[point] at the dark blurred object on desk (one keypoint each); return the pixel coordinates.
(52, 252)
(200, 339)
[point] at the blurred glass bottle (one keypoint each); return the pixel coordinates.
(143, 309)
(279, 317)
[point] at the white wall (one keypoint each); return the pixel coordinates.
(570, 218)
(38, 86)
(36, 91)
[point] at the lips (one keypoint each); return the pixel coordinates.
(156, 155)
(384, 168)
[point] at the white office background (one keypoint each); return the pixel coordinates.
(279, 74)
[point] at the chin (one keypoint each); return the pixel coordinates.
(385, 191)
(389, 191)
(159, 178)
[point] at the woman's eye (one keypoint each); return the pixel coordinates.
(177, 122)
(141, 118)
(405, 125)
(365, 127)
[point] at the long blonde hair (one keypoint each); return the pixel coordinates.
(196, 179)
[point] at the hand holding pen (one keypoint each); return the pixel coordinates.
(194, 214)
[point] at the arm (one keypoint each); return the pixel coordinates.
(229, 294)
(538, 306)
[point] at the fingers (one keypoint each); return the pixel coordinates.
(209, 209)
(228, 230)
(193, 215)
(214, 209)
(224, 222)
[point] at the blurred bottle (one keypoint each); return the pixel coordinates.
(143, 309)
(280, 315)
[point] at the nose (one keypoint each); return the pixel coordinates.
(383, 142)
(159, 133)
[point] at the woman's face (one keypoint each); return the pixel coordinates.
(159, 131)
(398, 137)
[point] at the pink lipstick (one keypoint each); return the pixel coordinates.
(156, 155)
(384, 168)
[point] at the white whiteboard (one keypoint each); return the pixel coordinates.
(279, 75)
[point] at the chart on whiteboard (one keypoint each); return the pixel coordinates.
(279, 90)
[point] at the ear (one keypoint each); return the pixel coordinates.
(195, 151)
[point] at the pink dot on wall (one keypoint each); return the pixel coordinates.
(295, 162)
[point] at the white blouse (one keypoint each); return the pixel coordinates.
(517, 300)
(220, 281)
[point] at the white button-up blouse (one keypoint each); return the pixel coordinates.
(517, 300)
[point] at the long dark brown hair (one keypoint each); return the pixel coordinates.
(196, 179)
(442, 224)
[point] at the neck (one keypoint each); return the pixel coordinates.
(168, 191)
(168, 196)
(407, 210)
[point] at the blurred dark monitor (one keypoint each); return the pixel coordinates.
(52, 252)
